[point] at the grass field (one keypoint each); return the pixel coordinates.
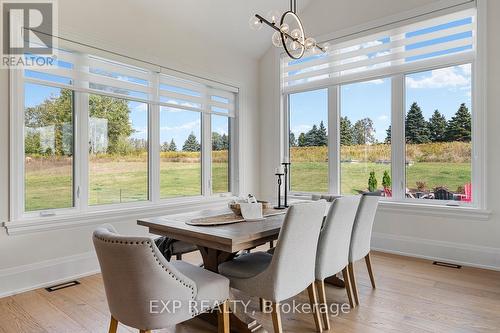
(50, 185)
(124, 179)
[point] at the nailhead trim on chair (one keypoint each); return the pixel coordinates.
(193, 313)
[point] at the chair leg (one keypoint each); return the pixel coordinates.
(313, 300)
(347, 281)
(278, 328)
(178, 256)
(353, 283)
(113, 325)
(223, 318)
(320, 285)
(370, 271)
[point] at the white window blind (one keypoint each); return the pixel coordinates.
(442, 40)
(92, 74)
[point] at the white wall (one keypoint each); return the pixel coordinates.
(38, 258)
(469, 241)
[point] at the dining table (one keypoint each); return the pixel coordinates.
(220, 243)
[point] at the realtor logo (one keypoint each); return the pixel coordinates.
(28, 30)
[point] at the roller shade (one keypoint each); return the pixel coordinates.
(98, 75)
(441, 40)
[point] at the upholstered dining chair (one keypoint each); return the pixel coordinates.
(361, 239)
(147, 292)
(278, 277)
(333, 248)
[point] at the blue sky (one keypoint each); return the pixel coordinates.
(443, 89)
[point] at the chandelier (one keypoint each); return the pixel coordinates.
(289, 32)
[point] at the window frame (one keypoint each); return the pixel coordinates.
(81, 205)
(398, 113)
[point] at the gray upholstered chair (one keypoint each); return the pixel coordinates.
(333, 248)
(361, 239)
(139, 282)
(278, 277)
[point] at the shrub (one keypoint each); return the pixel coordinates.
(421, 186)
(372, 182)
(386, 180)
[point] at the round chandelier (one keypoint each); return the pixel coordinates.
(289, 32)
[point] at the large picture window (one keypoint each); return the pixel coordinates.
(406, 122)
(118, 152)
(94, 134)
(309, 141)
(180, 156)
(48, 147)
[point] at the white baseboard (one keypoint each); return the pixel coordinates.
(456, 253)
(46, 273)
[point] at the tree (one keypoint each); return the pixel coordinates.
(416, 126)
(311, 136)
(225, 142)
(437, 127)
(292, 140)
(364, 132)
(302, 140)
(321, 136)
(346, 132)
(459, 127)
(216, 141)
(388, 133)
(191, 143)
(172, 146)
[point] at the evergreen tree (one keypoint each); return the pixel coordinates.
(321, 136)
(216, 141)
(437, 127)
(363, 132)
(302, 140)
(292, 140)
(388, 133)
(416, 126)
(372, 182)
(311, 136)
(191, 143)
(172, 146)
(346, 134)
(225, 142)
(459, 127)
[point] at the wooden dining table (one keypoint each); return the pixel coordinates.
(221, 243)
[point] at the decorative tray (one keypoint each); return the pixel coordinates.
(231, 218)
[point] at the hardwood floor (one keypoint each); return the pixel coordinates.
(412, 295)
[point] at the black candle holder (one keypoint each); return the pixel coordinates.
(279, 206)
(286, 167)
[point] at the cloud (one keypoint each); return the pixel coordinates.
(301, 128)
(186, 126)
(452, 77)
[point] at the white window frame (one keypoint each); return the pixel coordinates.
(398, 113)
(80, 156)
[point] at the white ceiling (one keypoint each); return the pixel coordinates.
(221, 23)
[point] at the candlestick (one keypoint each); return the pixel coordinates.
(279, 206)
(286, 166)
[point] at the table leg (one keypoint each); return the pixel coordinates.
(240, 322)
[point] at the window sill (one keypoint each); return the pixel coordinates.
(40, 224)
(424, 209)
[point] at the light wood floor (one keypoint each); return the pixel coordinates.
(412, 295)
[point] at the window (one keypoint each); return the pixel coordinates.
(220, 154)
(309, 141)
(365, 144)
(406, 121)
(92, 134)
(118, 152)
(180, 156)
(438, 134)
(48, 147)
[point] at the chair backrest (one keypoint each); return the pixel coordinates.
(292, 266)
(362, 230)
(335, 237)
(136, 276)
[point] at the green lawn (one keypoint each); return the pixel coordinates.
(117, 181)
(313, 176)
